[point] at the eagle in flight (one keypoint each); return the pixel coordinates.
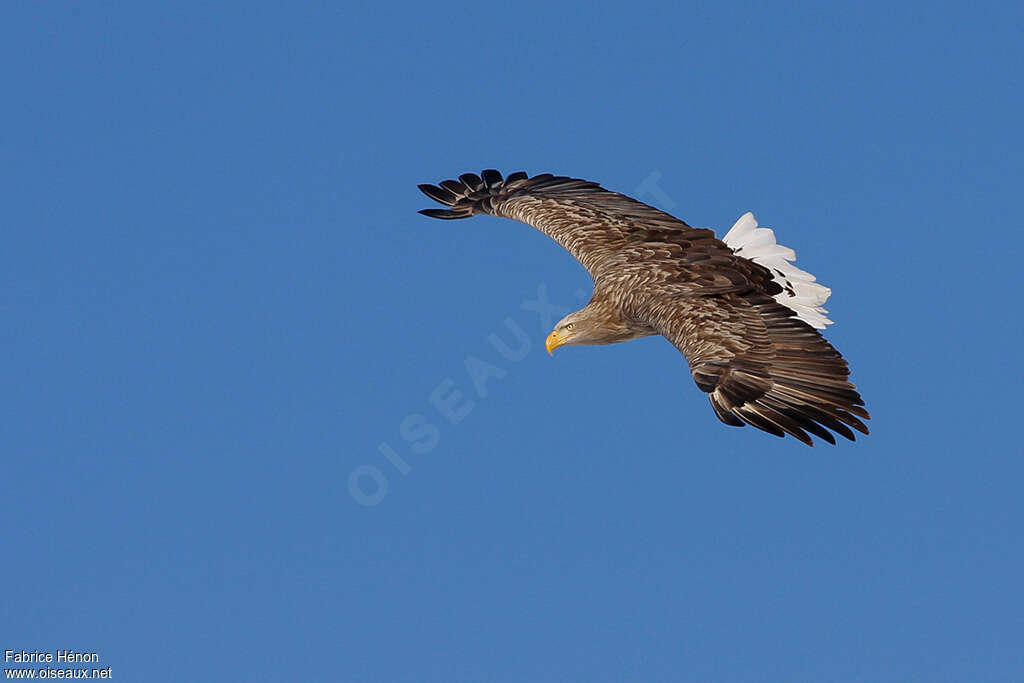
(742, 314)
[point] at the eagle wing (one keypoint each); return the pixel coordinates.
(615, 237)
(580, 215)
(760, 364)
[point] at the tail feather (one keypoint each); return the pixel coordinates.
(801, 293)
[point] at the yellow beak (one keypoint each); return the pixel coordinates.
(552, 343)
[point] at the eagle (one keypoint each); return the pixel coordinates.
(742, 314)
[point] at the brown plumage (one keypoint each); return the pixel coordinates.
(747, 344)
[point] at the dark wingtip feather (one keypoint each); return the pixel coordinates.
(472, 181)
(475, 194)
(751, 417)
(806, 422)
(455, 187)
(724, 415)
(492, 178)
(438, 194)
(814, 428)
(857, 410)
(444, 214)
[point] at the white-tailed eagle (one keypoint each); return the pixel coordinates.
(741, 313)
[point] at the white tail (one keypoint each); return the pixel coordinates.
(799, 292)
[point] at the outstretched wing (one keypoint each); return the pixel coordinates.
(761, 365)
(611, 234)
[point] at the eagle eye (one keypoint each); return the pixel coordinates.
(569, 327)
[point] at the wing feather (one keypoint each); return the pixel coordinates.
(611, 234)
(762, 366)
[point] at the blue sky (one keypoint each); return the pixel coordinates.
(221, 302)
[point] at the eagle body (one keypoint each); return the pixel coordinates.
(742, 314)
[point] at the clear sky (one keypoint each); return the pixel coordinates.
(222, 309)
